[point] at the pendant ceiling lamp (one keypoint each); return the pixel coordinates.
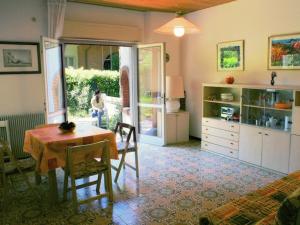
(178, 26)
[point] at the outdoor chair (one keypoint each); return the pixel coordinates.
(129, 145)
(82, 162)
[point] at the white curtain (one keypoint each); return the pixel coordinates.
(56, 16)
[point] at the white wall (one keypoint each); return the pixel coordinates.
(154, 20)
(22, 93)
(254, 21)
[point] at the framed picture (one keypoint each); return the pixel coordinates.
(284, 52)
(231, 55)
(19, 57)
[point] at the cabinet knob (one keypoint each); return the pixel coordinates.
(232, 135)
(231, 143)
(267, 134)
(231, 152)
(259, 133)
(232, 126)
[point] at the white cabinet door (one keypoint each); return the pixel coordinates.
(295, 153)
(296, 121)
(183, 127)
(250, 144)
(276, 149)
(171, 128)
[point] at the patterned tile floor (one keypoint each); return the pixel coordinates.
(176, 183)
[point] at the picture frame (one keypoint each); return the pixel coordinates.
(19, 57)
(284, 52)
(230, 55)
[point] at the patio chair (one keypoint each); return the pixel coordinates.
(82, 162)
(129, 145)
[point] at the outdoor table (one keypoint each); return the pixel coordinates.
(48, 147)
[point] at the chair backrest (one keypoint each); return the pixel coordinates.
(127, 130)
(82, 153)
(4, 125)
(6, 153)
(46, 125)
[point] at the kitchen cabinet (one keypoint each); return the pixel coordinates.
(251, 141)
(177, 125)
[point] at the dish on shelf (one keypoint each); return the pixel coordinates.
(227, 97)
(282, 105)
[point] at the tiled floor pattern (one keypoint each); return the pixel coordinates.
(176, 183)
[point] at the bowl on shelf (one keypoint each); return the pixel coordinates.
(282, 105)
(229, 80)
(67, 127)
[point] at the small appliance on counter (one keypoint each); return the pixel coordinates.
(227, 113)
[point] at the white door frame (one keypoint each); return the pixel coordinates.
(134, 97)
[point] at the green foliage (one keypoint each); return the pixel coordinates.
(117, 117)
(115, 61)
(81, 85)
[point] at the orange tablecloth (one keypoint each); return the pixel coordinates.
(48, 145)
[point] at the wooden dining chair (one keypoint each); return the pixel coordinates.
(10, 166)
(82, 161)
(124, 147)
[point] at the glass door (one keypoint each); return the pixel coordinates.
(54, 83)
(150, 93)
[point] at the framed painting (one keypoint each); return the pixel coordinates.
(19, 57)
(284, 52)
(230, 55)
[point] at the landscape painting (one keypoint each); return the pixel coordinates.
(19, 58)
(231, 56)
(284, 52)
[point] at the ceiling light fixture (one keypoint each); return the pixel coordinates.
(178, 26)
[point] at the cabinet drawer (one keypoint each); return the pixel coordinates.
(220, 133)
(221, 124)
(220, 141)
(219, 149)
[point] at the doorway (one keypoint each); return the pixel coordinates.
(90, 67)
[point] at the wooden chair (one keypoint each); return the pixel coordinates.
(129, 145)
(12, 166)
(82, 162)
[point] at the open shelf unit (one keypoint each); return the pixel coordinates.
(260, 124)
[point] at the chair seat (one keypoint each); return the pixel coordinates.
(24, 164)
(88, 168)
(121, 146)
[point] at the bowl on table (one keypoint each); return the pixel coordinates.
(67, 127)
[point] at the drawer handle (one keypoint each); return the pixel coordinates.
(232, 135)
(205, 144)
(259, 132)
(231, 152)
(231, 143)
(206, 129)
(267, 134)
(232, 126)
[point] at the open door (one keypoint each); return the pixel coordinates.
(55, 107)
(151, 93)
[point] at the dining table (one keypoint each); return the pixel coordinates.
(48, 146)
